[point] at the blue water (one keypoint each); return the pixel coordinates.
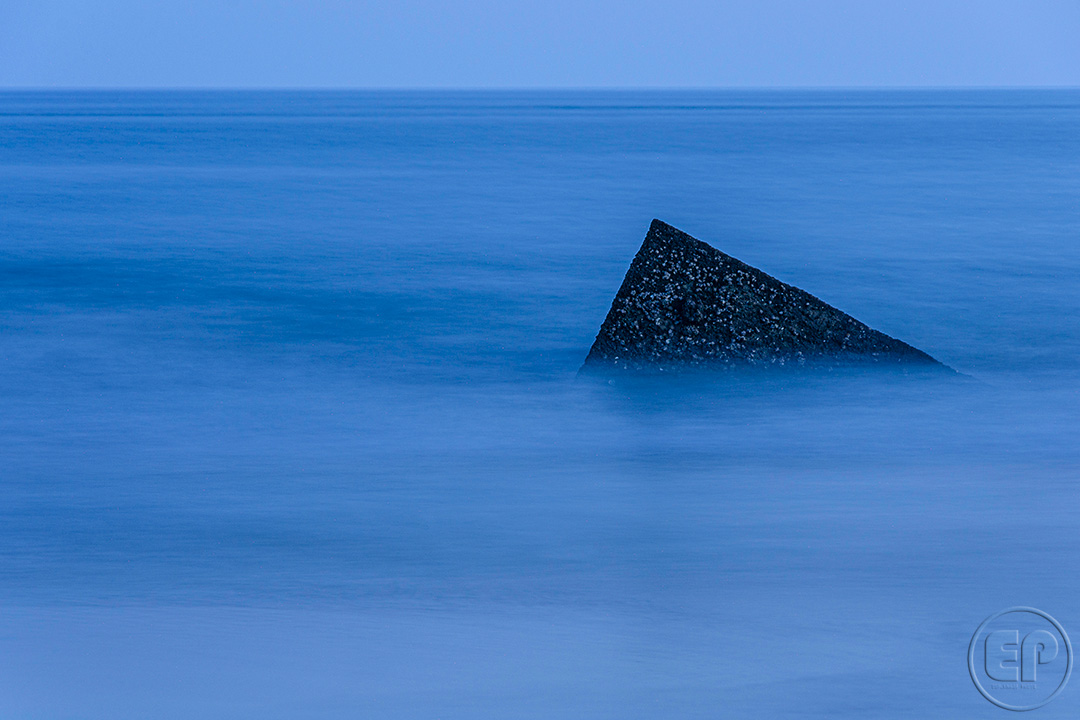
(290, 425)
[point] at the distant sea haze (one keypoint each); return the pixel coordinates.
(291, 425)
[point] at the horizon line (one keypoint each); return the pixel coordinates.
(528, 88)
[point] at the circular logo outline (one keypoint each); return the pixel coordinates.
(1068, 658)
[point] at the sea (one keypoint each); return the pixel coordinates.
(291, 424)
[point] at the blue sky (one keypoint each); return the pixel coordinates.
(549, 43)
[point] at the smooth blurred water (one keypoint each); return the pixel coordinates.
(290, 423)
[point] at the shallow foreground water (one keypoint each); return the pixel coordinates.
(290, 424)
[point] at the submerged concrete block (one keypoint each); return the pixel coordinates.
(683, 303)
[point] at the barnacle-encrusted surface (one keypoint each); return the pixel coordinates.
(685, 303)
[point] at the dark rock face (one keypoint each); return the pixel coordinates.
(684, 303)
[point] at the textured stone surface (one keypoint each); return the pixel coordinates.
(684, 303)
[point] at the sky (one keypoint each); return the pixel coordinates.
(539, 43)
